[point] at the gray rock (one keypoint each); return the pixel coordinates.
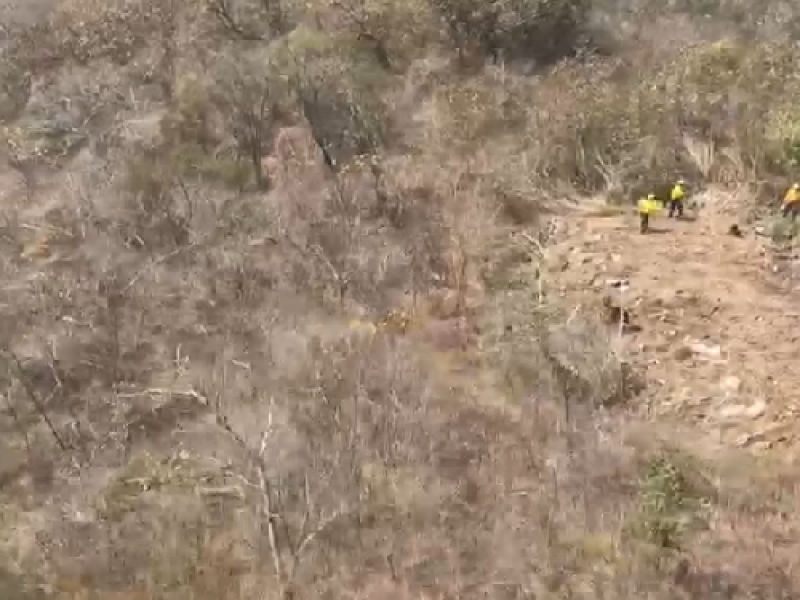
(732, 411)
(757, 409)
(730, 385)
(706, 350)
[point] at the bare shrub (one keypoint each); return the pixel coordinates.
(486, 105)
(336, 251)
(16, 77)
(190, 119)
(295, 160)
(158, 211)
(393, 33)
(531, 30)
(87, 30)
(337, 95)
(252, 99)
(252, 20)
(548, 355)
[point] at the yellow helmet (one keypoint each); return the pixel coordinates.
(651, 196)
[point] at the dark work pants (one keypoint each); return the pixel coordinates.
(675, 208)
(644, 222)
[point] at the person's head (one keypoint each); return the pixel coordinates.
(681, 182)
(796, 186)
(651, 197)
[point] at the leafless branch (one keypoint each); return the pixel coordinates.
(224, 13)
(38, 405)
(17, 421)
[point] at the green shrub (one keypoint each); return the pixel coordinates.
(156, 215)
(189, 117)
(782, 138)
(192, 162)
(784, 231)
(153, 174)
(713, 68)
(668, 503)
(228, 171)
(148, 176)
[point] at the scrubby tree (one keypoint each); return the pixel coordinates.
(252, 100)
(541, 30)
(393, 32)
(338, 93)
(251, 20)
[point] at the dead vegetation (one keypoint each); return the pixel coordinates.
(273, 319)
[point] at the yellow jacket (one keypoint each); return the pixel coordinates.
(791, 197)
(648, 206)
(677, 193)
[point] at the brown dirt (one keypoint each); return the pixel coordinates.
(25, 11)
(690, 283)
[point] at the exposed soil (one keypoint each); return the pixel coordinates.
(717, 332)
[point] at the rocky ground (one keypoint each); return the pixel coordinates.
(715, 320)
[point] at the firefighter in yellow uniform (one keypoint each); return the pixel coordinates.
(647, 206)
(791, 202)
(676, 199)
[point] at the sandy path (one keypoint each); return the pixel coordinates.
(694, 285)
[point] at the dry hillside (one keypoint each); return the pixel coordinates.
(347, 299)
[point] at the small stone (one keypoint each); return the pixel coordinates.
(617, 283)
(732, 411)
(706, 350)
(757, 409)
(749, 439)
(731, 384)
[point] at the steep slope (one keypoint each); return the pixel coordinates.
(716, 334)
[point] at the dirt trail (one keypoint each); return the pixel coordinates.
(719, 340)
